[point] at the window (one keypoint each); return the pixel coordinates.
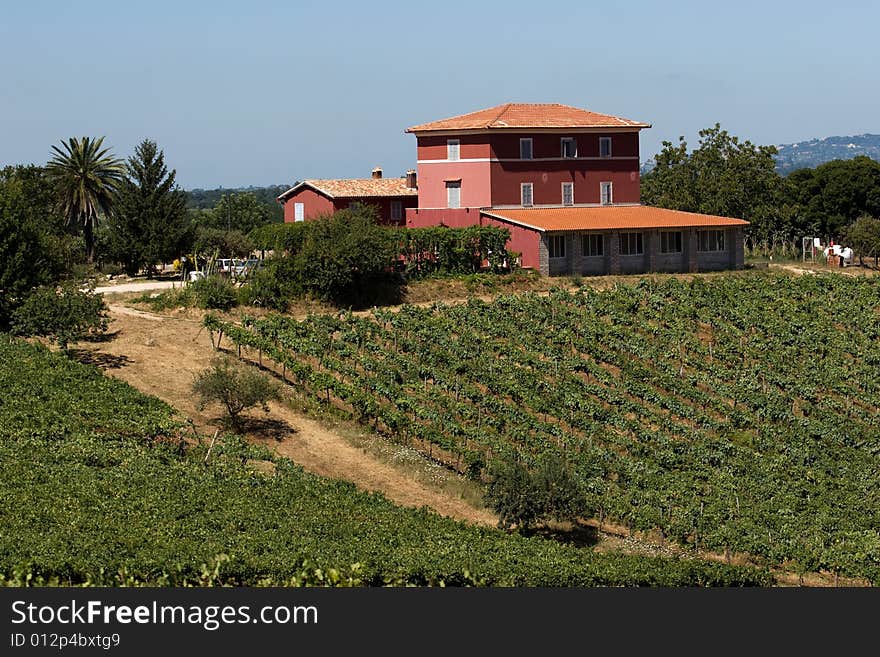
(452, 149)
(710, 240)
(557, 246)
(604, 146)
(396, 210)
(354, 205)
(631, 244)
(605, 193)
(567, 193)
(593, 245)
(525, 191)
(453, 194)
(670, 242)
(569, 147)
(525, 148)
(298, 212)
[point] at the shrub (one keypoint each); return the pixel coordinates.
(344, 256)
(522, 497)
(271, 286)
(174, 298)
(511, 493)
(65, 314)
(236, 387)
(280, 238)
(214, 293)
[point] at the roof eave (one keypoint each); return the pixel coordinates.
(305, 183)
(499, 217)
(418, 132)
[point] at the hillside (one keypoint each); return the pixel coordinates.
(734, 413)
(813, 152)
(102, 484)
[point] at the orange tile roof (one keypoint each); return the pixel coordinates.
(529, 115)
(609, 217)
(355, 187)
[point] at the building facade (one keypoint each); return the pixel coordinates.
(564, 181)
(620, 239)
(390, 197)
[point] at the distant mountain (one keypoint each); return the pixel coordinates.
(812, 153)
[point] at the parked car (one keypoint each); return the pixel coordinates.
(244, 268)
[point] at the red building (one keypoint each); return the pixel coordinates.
(314, 198)
(565, 182)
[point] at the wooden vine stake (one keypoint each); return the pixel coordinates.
(211, 446)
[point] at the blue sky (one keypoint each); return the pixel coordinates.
(269, 92)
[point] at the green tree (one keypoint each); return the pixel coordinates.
(512, 493)
(31, 254)
(241, 211)
(345, 255)
(212, 243)
(833, 195)
(85, 176)
(236, 387)
(864, 237)
(557, 488)
(150, 222)
(65, 314)
(522, 496)
(723, 176)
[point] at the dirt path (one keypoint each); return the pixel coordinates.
(145, 286)
(160, 355)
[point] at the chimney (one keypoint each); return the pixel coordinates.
(411, 179)
(377, 172)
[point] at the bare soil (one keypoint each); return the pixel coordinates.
(160, 355)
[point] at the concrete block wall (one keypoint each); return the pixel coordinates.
(689, 259)
(544, 255)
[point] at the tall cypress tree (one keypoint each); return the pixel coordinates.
(150, 223)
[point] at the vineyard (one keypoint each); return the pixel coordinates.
(102, 485)
(738, 414)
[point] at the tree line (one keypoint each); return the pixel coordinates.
(730, 177)
(87, 209)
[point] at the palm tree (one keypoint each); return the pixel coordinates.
(86, 177)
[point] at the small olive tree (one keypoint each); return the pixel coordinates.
(236, 387)
(523, 497)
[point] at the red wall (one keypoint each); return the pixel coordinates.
(522, 240)
(382, 205)
(433, 147)
(623, 144)
(420, 218)
(475, 183)
(316, 205)
(547, 179)
(485, 184)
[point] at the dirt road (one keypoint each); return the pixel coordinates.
(145, 286)
(160, 355)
